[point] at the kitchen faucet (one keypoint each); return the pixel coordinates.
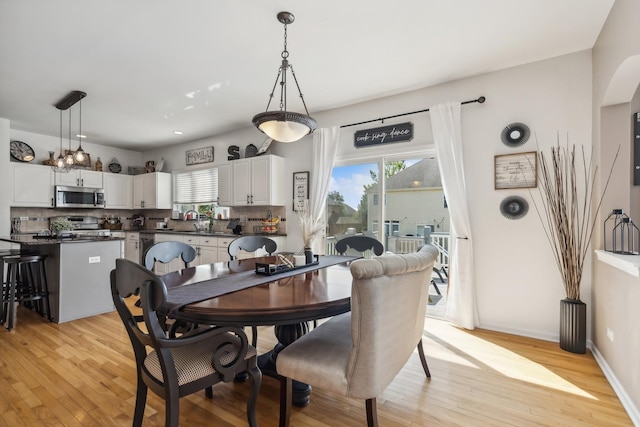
(196, 225)
(186, 214)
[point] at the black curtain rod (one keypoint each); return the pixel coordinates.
(479, 101)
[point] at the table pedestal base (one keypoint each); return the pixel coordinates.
(286, 334)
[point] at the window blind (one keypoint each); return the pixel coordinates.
(199, 186)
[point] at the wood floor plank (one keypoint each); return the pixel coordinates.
(82, 373)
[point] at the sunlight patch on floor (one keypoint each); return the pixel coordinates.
(472, 351)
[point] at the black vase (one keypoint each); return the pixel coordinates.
(573, 325)
(308, 255)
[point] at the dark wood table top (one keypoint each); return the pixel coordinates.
(308, 296)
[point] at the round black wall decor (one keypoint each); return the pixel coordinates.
(515, 134)
(514, 207)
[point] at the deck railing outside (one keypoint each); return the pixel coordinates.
(405, 245)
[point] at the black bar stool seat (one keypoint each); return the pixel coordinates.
(26, 284)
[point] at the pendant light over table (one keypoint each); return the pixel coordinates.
(284, 125)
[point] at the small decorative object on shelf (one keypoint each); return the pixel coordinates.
(114, 166)
(98, 164)
(21, 151)
(51, 161)
(621, 235)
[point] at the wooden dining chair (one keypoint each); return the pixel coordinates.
(360, 244)
(251, 244)
(166, 252)
(175, 367)
(358, 354)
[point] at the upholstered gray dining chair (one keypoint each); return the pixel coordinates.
(358, 354)
(175, 367)
(360, 244)
(251, 244)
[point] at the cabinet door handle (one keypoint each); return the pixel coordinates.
(248, 202)
(82, 182)
(52, 202)
(252, 199)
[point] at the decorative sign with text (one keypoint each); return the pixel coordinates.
(199, 155)
(384, 135)
(300, 190)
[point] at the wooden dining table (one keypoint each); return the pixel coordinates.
(288, 301)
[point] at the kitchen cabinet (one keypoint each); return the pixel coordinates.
(225, 185)
(79, 178)
(152, 191)
(118, 191)
(32, 185)
(132, 247)
(259, 181)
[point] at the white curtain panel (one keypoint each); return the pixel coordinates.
(325, 146)
(447, 136)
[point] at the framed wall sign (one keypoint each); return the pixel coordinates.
(383, 135)
(300, 190)
(516, 170)
(199, 155)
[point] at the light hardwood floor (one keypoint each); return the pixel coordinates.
(82, 373)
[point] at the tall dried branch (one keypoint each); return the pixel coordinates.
(567, 210)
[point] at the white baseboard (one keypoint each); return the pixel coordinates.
(521, 332)
(625, 399)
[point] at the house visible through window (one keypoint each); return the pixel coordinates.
(413, 200)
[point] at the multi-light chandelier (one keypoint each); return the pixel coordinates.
(69, 160)
(284, 125)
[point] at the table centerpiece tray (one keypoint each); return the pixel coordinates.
(266, 269)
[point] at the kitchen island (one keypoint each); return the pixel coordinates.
(77, 273)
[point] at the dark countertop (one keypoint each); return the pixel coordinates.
(28, 239)
(208, 233)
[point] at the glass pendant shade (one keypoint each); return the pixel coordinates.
(284, 126)
(78, 156)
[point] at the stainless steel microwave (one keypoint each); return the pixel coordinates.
(79, 197)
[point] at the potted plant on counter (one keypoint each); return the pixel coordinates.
(568, 213)
(61, 226)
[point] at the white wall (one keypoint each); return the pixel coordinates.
(518, 286)
(616, 60)
(5, 182)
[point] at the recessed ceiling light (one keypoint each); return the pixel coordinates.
(178, 132)
(81, 136)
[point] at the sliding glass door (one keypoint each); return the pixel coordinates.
(403, 207)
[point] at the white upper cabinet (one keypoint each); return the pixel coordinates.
(80, 178)
(259, 181)
(32, 185)
(152, 191)
(225, 185)
(118, 190)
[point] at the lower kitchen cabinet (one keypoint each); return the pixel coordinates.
(132, 247)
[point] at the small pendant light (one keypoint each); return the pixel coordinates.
(78, 156)
(60, 165)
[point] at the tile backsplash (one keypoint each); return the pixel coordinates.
(32, 220)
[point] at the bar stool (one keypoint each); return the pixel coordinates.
(26, 283)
